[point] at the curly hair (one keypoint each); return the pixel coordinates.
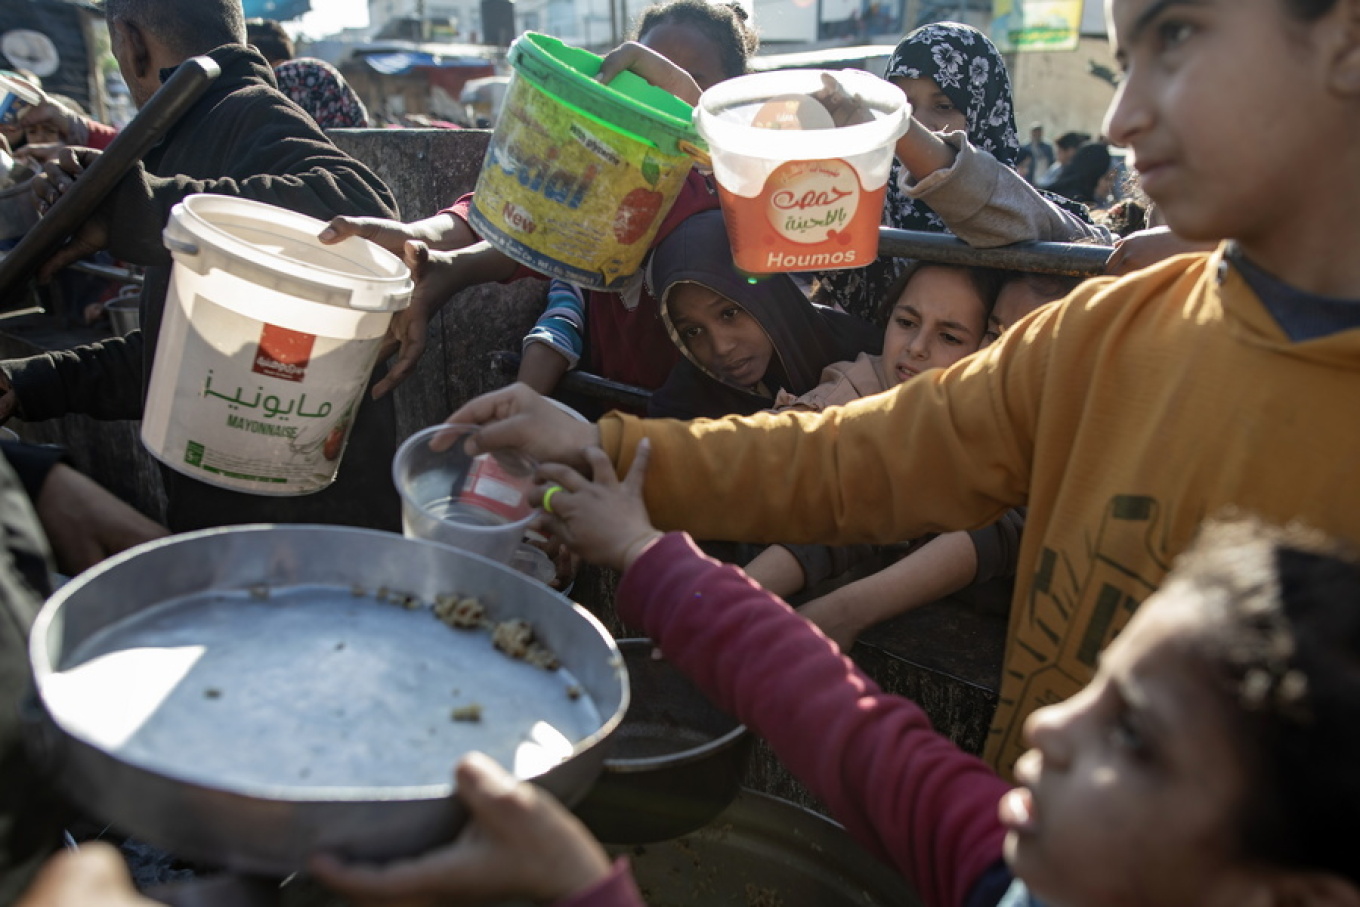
(1284, 649)
(722, 23)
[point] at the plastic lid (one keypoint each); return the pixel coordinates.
(629, 103)
(724, 112)
(285, 242)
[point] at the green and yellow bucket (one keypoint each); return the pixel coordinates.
(579, 174)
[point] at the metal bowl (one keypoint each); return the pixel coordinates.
(246, 696)
(674, 763)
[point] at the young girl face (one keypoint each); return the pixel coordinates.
(719, 334)
(931, 106)
(1201, 81)
(1132, 790)
(937, 320)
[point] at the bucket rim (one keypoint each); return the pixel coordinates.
(812, 144)
(665, 128)
(191, 216)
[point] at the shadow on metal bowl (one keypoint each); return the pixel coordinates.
(674, 763)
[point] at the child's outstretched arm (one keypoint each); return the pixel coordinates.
(938, 568)
(903, 790)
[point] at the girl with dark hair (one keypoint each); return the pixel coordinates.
(953, 171)
(724, 41)
(746, 341)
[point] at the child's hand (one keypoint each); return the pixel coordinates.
(846, 109)
(605, 520)
(651, 66)
(519, 843)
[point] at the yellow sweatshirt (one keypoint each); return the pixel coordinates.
(1122, 417)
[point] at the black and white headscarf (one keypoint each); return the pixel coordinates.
(970, 71)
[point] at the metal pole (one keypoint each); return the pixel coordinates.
(1073, 259)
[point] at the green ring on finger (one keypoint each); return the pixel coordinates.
(548, 496)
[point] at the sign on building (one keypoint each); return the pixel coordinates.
(1036, 25)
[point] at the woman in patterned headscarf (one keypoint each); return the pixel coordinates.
(953, 172)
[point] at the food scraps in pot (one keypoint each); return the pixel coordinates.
(461, 612)
(516, 639)
(470, 712)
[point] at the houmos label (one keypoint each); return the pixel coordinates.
(810, 215)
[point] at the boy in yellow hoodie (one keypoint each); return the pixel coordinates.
(1127, 413)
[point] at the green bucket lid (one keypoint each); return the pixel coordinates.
(629, 103)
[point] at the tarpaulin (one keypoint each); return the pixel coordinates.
(398, 64)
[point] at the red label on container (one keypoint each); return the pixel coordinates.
(491, 488)
(810, 216)
(283, 353)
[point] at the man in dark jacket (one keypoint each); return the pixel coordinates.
(243, 139)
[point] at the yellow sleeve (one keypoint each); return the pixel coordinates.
(948, 450)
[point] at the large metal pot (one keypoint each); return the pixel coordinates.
(674, 763)
(246, 696)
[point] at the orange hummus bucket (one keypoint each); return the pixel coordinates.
(804, 202)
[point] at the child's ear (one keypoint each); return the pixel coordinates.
(1345, 68)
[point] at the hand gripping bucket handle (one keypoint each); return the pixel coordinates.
(187, 231)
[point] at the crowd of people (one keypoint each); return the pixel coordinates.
(1157, 459)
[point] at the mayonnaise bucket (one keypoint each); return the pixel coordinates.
(579, 175)
(267, 345)
(804, 200)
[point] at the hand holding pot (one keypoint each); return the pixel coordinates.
(520, 842)
(604, 520)
(94, 876)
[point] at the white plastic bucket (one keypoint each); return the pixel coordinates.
(266, 347)
(810, 201)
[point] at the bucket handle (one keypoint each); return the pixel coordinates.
(182, 246)
(697, 154)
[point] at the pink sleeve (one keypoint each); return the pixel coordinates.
(100, 134)
(618, 889)
(904, 791)
(459, 209)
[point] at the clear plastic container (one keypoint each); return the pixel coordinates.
(476, 504)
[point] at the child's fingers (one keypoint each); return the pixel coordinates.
(637, 473)
(601, 468)
(568, 478)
